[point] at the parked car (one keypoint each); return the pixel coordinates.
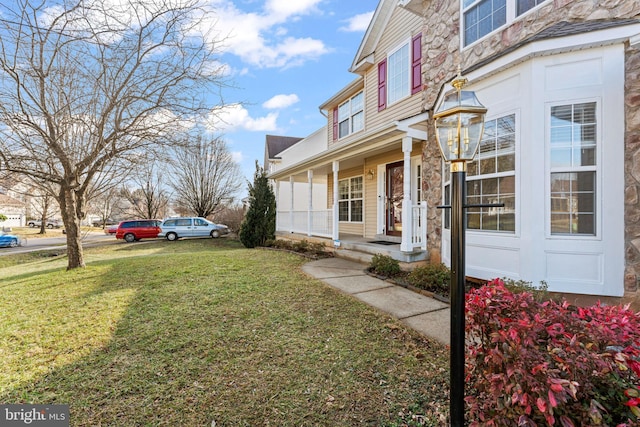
(100, 223)
(137, 229)
(9, 240)
(111, 229)
(50, 223)
(175, 228)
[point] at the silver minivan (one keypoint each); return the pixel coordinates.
(175, 228)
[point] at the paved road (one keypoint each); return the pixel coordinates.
(45, 243)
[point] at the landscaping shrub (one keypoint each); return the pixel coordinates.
(539, 293)
(431, 277)
(550, 363)
(384, 265)
(259, 224)
(303, 246)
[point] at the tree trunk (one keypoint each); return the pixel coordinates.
(69, 207)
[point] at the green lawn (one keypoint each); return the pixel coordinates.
(189, 332)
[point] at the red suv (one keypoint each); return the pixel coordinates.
(134, 230)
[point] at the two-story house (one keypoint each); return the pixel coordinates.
(372, 164)
(560, 80)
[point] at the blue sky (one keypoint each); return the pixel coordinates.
(285, 58)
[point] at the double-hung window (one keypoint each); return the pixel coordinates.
(491, 177)
(481, 17)
(351, 115)
(398, 77)
(573, 163)
(400, 73)
(350, 197)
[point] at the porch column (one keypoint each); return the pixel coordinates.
(291, 218)
(407, 208)
(310, 210)
(335, 234)
(278, 205)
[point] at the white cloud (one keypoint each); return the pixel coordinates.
(281, 101)
(235, 117)
(358, 23)
(259, 38)
(237, 156)
(287, 8)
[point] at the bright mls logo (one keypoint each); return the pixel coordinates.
(34, 415)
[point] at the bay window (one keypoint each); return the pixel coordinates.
(491, 177)
(573, 163)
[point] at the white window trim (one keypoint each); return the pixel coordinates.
(407, 43)
(349, 200)
(511, 18)
(351, 114)
(446, 180)
(597, 169)
(515, 174)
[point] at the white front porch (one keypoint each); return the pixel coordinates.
(370, 188)
(319, 223)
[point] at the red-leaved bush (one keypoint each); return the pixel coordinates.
(539, 364)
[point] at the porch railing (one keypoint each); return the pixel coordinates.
(419, 226)
(315, 223)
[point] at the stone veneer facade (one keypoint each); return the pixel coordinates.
(442, 55)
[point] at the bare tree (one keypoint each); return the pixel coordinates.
(42, 204)
(149, 198)
(206, 176)
(107, 205)
(87, 84)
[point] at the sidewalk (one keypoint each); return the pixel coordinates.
(426, 315)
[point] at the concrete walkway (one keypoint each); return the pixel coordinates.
(426, 315)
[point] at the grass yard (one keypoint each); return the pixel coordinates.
(189, 332)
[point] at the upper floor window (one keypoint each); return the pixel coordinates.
(481, 17)
(351, 115)
(573, 162)
(524, 5)
(400, 74)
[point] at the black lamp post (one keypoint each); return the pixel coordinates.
(459, 123)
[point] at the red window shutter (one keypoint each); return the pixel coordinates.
(335, 124)
(382, 85)
(416, 64)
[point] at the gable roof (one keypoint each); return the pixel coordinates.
(277, 144)
(381, 16)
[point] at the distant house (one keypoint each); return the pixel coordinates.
(14, 210)
(561, 81)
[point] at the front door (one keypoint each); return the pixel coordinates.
(394, 194)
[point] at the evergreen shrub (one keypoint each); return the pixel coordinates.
(384, 265)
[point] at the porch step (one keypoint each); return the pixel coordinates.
(364, 252)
